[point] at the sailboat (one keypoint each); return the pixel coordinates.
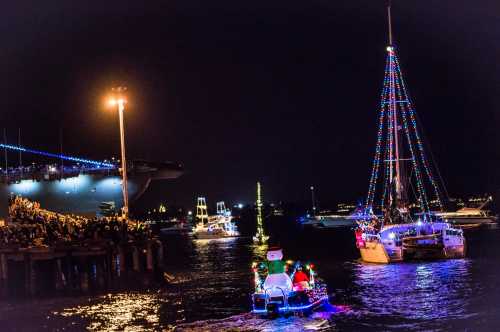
(260, 237)
(397, 236)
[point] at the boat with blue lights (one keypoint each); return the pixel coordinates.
(283, 288)
(402, 234)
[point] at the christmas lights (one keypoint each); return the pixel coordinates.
(396, 109)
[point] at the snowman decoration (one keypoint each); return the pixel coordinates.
(278, 282)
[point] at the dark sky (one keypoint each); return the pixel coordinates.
(285, 92)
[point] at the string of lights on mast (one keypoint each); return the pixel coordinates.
(396, 114)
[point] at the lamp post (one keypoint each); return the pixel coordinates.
(313, 201)
(119, 100)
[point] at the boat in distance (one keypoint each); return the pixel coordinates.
(469, 216)
(328, 221)
(218, 226)
(175, 227)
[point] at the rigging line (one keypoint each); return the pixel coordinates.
(376, 159)
(413, 187)
(389, 20)
(387, 179)
(387, 165)
(433, 160)
(418, 176)
(412, 112)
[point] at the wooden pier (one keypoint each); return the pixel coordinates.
(93, 265)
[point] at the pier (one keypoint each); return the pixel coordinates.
(41, 251)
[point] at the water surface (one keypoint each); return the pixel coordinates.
(214, 283)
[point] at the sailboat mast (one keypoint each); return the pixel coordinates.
(390, 22)
(260, 229)
(393, 111)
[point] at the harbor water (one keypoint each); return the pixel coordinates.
(213, 283)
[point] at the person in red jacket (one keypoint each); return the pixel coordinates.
(300, 279)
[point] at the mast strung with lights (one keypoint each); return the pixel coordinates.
(260, 237)
(397, 134)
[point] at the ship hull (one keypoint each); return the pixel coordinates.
(336, 223)
(79, 195)
(471, 221)
(208, 236)
(376, 252)
(434, 253)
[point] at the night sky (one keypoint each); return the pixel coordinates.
(285, 92)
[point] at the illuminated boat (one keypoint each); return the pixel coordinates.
(342, 218)
(396, 236)
(286, 287)
(468, 216)
(215, 227)
(175, 227)
(323, 221)
(411, 241)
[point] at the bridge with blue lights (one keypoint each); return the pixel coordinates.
(95, 163)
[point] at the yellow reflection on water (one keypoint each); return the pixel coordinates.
(119, 312)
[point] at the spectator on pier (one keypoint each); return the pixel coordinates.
(31, 225)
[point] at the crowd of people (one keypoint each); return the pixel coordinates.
(30, 225)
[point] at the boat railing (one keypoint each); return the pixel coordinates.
(268, 296)
(371, 237)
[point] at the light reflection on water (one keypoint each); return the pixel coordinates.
(415, 291)
(118, 312)
(214, 281)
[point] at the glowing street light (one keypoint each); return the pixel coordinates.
(118, 99)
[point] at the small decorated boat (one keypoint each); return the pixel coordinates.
(283, 288)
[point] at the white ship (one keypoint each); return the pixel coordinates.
(469, 216)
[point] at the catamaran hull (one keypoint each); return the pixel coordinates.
(430, 253)
(375, 252)
(455, 251)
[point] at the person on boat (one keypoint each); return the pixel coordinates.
(300, 279)
(375, 223)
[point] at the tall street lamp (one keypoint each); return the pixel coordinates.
(119, 100)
